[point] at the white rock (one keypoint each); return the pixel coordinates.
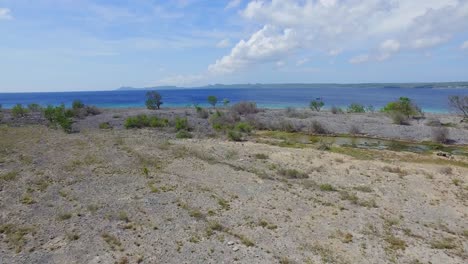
(235, 248)
(230, 243)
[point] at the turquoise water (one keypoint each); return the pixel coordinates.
(429, 99)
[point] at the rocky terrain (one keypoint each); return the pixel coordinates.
(143, 196)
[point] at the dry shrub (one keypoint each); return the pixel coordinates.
(354, 130)
(244, 108)
(317, 128)
(440, 134)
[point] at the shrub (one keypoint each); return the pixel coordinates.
(243, 127)
(243, 108)
(459, 104)
(316, 105)
(234, 135)
(181, 124)
(440, 134)
(327, 188)
(398, 118)
(142, 121)
(404, 106)
(293, 174)
(212, 100)
(153, 100)
(201, 112)
(183, 134)
(226, 102)
(105, 125)
(356, 108)
(34, 107)
(223, 121)
(336, 110)
(19, 111)
(59, 116)
(317, 128)
(77, 104)
(354, 130)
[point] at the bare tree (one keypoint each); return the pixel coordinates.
(459, 104)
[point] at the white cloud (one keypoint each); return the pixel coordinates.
(464, 46)
(266, 45)
(5, 13)
(233, 4)
(390, 45)
(223, 43)
(317, 25)
(280, 64)
(182, 80)
(360, 59)
(335, 52)
(427, 42)
(302, 61)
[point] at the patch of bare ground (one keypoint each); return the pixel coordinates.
(141, 196)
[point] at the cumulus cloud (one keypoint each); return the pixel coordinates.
(266, 45)
(360, 59)
(5, 13)
(316, 25)
(223, 43)
(464, 46)
(302, 61)
(233, 4)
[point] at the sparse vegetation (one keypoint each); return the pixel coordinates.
(153, 100)
(183, 134)
(212, 100)
(244, 108)
(356, 108)
(327, 188)
(105, 125)
(316, 105)
(142, 121)
(459, 104)
(440, 134)
(293, 173)
(59, 117)
(19, 111)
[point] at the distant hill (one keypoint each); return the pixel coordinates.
(438, 85)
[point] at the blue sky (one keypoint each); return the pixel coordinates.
(70, 45)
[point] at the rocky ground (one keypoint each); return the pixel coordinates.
(142, 196)
(377, 125)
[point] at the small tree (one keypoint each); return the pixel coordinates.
(226, 102)
(19, 111)
(405, 106)
(212, 100)
(153, 100)
(459, 104)
(316, 105)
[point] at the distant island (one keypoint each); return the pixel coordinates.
(433, 85)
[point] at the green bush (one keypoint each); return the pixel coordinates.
(356, 108)
(234, 135)
(34, 107)
(404, 106)
(141, 121)
(19, 111)
(77, 104)
(293, 174)
(212, 100)
(59, 116)
(181, 124)
(153, 100)
(105, 125)
(243, 127)
(316, 105)
(183, 134)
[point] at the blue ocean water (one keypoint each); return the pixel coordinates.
(429, 99)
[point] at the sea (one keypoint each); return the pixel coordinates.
(430, 99)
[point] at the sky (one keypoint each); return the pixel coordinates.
(73, 45)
